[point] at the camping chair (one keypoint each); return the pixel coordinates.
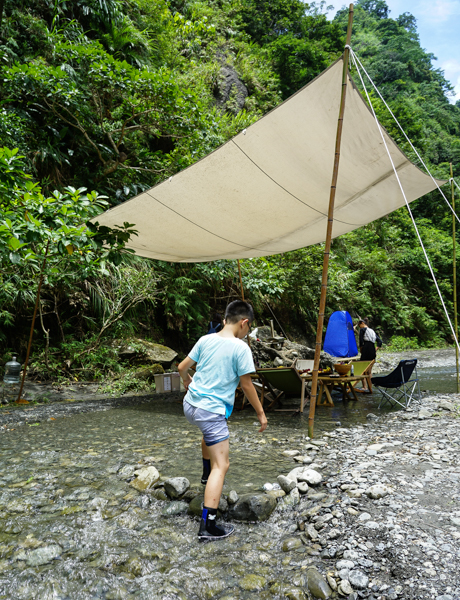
(363, 367)
(398, 387)
(285, 379)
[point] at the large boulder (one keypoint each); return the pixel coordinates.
(253, 507)
(136, 350)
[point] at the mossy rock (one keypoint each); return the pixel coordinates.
(148, 373)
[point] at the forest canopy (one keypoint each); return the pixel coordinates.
(114, 96)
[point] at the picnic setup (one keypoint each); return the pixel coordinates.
(317, 166)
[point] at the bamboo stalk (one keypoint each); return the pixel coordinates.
(330, 220)
(242, 292)
(454, 260)
(37, 300)
(241, 280)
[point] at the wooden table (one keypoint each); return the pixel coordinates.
(326, 385)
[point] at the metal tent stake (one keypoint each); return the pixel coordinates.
(330, 220)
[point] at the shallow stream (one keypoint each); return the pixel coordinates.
(62, 496)
(72, 528)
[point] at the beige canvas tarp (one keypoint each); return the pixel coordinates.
(267, 190)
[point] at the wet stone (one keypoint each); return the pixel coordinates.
(195, 507)
(253, 507)
(232, 497)
(317, 584)
(145, 478)
(176, 486)
(252, 583)
(286, 484)
(43, 556)
(175, 508)
(291, 544)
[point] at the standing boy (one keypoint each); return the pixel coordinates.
(222, 361)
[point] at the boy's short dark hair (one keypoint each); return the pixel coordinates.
(237, 310)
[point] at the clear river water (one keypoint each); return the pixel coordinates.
(72, 528)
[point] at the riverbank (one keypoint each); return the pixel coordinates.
(71, 525)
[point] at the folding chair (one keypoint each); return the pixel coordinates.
(285, 379)
(363, 367)
(398, 387)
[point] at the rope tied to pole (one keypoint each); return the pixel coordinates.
(405, 199)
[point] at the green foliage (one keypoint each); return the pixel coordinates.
(127, 382)
(118, 95)
(399, 343)
(72, 361)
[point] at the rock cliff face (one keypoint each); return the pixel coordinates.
(230, 92)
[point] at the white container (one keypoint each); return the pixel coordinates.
(167, 382)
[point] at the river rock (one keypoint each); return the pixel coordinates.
(252, 582)
(345, 588)
(146, 477)
(43, 556)
(302, 486)
(276, 494)
(232, 497)
(223, 504)
(290, 500)
(331, 581)
(379, 490)
(126, 472)
(310, 476)
(311, 532)
(291, 544)
(176, 487)
(196, 506)
(148, 373)
(358, 579)
(318, 586)
(175, 508)
(286, 483)
(344, 564)
(253, 507)
(446, 405)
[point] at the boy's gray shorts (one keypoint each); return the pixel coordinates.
(213, 426)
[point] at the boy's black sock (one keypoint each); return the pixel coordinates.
(206, 470)
(208, 527)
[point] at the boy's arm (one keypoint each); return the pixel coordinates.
(251, 394)
(183, 368)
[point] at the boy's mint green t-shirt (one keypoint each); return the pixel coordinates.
(220, 364)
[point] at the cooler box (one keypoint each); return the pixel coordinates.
(167, 382)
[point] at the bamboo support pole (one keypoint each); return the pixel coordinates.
(32, 327)
(242, 291)
(330, 220)
(454, 260)
(241, 279)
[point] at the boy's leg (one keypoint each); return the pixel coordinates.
(206, 462)
(209, 530)
(219, 467)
